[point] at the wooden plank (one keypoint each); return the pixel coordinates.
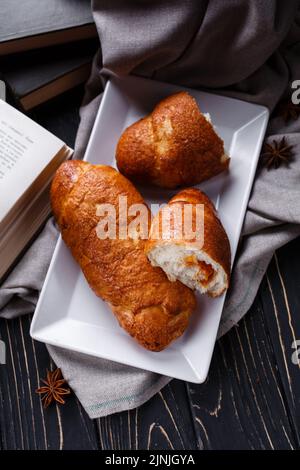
(242, 404)
(280, 299)
(24, 424)
(164, 422)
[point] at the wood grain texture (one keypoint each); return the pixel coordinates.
(162, 423)
(251, 399)
(280, 298)
(242, 404)
(24, 424)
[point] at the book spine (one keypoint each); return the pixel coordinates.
(11, 97)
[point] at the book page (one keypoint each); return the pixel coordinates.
(13, 146)
(25, 150)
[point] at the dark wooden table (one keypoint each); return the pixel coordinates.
(251, 399)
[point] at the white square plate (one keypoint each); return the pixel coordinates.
(69, 314)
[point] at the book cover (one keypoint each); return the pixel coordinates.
(29, 24)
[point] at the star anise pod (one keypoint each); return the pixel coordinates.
(288, 110)
(53, 390)
(277, 153)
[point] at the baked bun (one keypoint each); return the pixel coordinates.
(200, 262)
(147, 305)
(176, 145)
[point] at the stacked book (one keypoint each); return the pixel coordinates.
(46, 47)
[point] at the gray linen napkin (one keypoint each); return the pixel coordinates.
(248, 50)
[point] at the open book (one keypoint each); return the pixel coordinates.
(29, 156)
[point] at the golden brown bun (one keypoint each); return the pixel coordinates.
(174, 146)
(212, 275)
(147, 305)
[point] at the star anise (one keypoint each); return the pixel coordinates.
(288, 110)
(53, 390)
(277, 153)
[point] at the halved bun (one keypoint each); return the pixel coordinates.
(201, 263)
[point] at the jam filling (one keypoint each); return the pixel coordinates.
(207, 271)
